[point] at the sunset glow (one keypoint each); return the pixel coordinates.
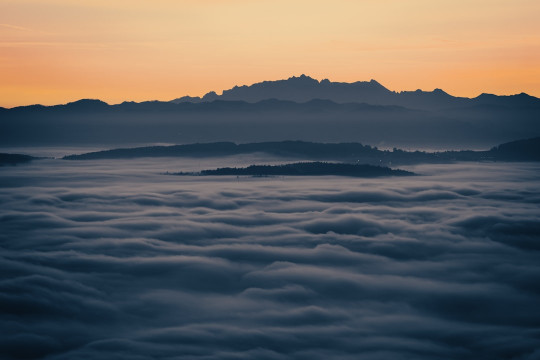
(56, 51)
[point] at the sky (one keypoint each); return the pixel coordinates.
(57, 51)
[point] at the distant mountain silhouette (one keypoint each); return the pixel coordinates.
(98, 106)
(84, 105)
(305, 88)
(521, 150)
(299, 108)
(306, 169)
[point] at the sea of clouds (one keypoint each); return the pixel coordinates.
(117, 260)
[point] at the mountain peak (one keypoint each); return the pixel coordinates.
(301, 88)
(86, 104)
(439, 91)
(211, 96)
(303, 79)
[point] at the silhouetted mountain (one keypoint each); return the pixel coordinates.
(306, 169)
(98, 106)
(239, 121)
(523, 150)
(522, 100)
(305, 88)
(520, 150)
(14, 159)
(86, 105)
(270, 111)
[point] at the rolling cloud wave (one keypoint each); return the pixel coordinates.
(101, 262)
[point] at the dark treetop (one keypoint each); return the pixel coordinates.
(306, 169)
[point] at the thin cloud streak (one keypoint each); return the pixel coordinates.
(15, 27)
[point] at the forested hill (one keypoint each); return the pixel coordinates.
(521, 150)
(306, 169)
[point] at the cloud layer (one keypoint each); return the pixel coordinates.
(114, 260)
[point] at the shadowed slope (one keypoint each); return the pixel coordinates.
(14, 159)
(521, 150)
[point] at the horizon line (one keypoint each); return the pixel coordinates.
(302, 76)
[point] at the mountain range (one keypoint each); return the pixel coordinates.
(304, 88)
(299, 108)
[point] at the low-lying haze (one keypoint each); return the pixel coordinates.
(113, 259)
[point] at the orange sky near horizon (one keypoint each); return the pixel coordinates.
(57, 51)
